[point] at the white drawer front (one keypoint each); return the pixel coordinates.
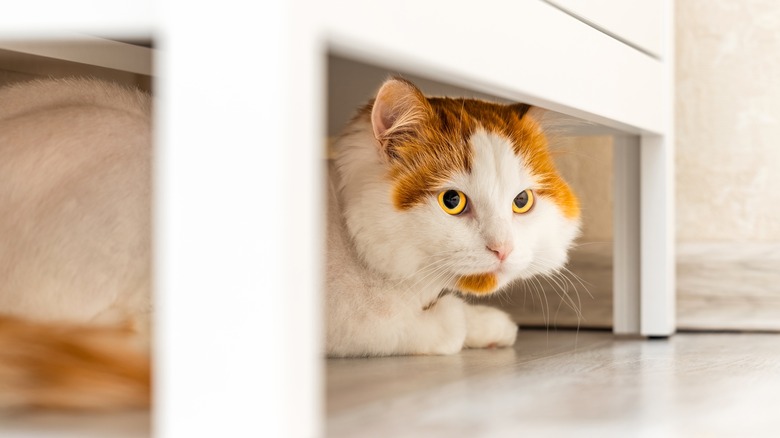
(639, 23)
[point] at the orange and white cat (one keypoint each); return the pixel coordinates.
(428, 195)
(431, 195)
(75, 159)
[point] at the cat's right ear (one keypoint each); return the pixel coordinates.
(399, 109)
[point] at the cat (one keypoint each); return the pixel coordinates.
(430, 200)
(75, 241)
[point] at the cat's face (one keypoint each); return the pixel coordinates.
(467, 195)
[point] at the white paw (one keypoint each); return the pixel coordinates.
(449, 330)
(488, 327)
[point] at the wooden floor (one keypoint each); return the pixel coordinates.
(71, 425)
(586, 384)
(566, 384)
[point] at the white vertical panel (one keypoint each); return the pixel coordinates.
(626, 243)
(234, 239)
(658, 307)
(657, 223)
(303, 187)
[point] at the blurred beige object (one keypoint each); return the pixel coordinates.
(728, 121)
(728, 164)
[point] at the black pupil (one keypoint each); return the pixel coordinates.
(521, 199)
(451, 199)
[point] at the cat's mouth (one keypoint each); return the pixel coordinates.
(478, 284)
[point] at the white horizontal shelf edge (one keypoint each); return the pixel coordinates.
(560, 63)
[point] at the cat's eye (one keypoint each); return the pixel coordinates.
(523, 202)
(452, 201)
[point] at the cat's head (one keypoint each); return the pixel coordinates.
(455, 192)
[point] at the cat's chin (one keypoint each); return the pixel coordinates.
(478, 284)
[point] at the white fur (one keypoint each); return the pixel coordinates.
(385, 266)
(75, 202)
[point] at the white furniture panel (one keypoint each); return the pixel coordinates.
(241, 127)
(639, 23)
(525, 50)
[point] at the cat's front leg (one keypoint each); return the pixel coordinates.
(440, 328)
(394, 325)
(488, 327)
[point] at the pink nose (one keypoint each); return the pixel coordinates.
(501, 250)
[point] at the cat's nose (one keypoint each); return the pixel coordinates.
(501, 249)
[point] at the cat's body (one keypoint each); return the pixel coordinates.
(394, 245)
(75, 159)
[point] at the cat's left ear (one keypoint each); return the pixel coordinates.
(399, 108)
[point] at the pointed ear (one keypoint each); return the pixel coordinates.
(520, 109)
(399, 108)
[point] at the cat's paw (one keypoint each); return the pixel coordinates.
(448, 329)
(488, 327)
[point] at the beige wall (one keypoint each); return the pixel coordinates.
(728, 164)
(586, 163)
(728, 120)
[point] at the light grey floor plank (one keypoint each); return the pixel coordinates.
(74, 425)
(566, 384)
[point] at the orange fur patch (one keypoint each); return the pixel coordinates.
(531, 144)
(424, 154)
(479, 284)
(68, 367)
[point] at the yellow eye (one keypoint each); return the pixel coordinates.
(523, 202)
(452, 201)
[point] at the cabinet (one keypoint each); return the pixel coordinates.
(563, 56)
(579, 61)
(241, 118)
